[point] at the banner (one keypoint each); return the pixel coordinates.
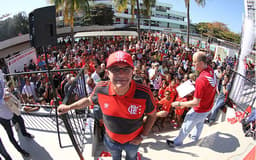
(233, 53)
(185, 88)
(16, 62)
(222, 52)
(243, 91)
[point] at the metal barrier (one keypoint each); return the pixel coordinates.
(74, 121)
(243, 91)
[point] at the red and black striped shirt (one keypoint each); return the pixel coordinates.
(123, 115)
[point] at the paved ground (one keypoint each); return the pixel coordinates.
(222, 141)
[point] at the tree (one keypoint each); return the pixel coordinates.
(70, 8)
(21, 23)
(12, 27)
(218, 30)
(102, 14)
(121, 5)
(147, 11)
(187, 4)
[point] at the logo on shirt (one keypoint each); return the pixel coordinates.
(133, 109)
(106, 105)
(212, 81)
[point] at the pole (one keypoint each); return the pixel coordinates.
(56, 103)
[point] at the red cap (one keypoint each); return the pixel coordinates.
(119, 56)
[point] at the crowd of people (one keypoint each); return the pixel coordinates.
(159, 62)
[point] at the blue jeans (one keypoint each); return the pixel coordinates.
(116, 149)
(193, 123)
(217, 105)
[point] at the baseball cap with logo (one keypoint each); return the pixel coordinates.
(120, 56)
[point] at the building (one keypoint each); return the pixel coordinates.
(163, 17)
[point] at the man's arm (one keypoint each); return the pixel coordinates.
(151, 118)
(82, 103)
(191, 103)
(147, 127)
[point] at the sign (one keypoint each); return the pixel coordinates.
(222, 52)
(185, 88)
(16, 62)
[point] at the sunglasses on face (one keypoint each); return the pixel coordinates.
(125, 70)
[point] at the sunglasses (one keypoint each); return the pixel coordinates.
(116, 70)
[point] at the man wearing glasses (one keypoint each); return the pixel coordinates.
(124, 103)
(202, 103)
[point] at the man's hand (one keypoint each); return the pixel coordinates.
(6, 94)
(136, 141)
(63, 109)
(175, 104)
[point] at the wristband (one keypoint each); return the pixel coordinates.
(143, 137)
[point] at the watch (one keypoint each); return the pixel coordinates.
(143, 137)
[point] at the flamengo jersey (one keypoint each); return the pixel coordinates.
(205, 90)
(123, 115)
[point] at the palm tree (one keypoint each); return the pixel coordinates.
(69, 8)
(121, 5)
(148, 5)
(187, 4)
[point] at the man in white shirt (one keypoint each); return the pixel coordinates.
(6, 115)
(155, 76)
(95, 75)
(29, 90)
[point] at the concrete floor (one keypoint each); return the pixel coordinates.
(222, 141)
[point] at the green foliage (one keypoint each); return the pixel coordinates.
(21, 23)
(187, 5)
(148, 5)
(200, 2)
(101, 15)
(70, 8)
(121, 5)
(14, 26)
(218, 30)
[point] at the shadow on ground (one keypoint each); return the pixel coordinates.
(37, 152)
(160, 144)
(220, 142)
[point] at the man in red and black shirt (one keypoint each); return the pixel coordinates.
(123, 103)
(202, 103)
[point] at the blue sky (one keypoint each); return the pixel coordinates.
(229, 12)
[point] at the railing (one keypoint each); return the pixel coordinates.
(243, 90)
(74, 121)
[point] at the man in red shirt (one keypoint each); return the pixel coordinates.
(205, 89)
(124, 103)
